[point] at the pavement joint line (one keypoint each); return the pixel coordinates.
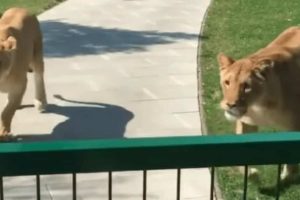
(192, 44)
(185, 12)
(116, 19)
(76, 67)
(161, 75)
(49, 191)
(150, 94)
(134, 14)
(182, 121)
(145, 76)
(93, 86)
(105, 57)
(151, 22)
(120, 6)
(172, 52)
(124, 73)
(164, 99)
(183, 74)
(149, 61)
(186, 112)
(177, 81)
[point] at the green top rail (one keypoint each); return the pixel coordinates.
(58, 157)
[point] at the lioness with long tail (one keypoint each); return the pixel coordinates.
(21, 51)
(263, 89)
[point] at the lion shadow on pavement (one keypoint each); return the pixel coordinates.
(85, 120)
(63, 39)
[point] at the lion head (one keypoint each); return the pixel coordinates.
(243, 83)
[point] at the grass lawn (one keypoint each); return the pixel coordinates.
(238, 28)
(35, 6)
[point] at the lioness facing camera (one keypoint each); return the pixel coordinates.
(21, 50)
(263, 89)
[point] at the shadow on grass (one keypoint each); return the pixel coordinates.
(272, 190)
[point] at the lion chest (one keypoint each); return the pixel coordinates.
(261, 116)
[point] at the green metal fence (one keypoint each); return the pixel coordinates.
(133, 154)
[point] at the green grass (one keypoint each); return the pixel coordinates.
(238, 28)
(35, 6)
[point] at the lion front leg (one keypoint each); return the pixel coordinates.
(290, 173)
(241, 128)
(13, 102)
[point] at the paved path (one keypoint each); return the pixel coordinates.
(114, 69)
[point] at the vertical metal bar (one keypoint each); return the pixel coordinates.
(74, 186)
(110, 185)
(245, 183)
(38, 187)
(145, 185)
(178, 183)
(278, 182)
(212, 183)
(1, 189)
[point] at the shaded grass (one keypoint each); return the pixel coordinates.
(34, 6)
(239, 28)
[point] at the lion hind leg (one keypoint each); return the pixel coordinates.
(37, 66)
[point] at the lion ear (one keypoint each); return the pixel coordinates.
(263, 67)
(224, 60)
(10, 43)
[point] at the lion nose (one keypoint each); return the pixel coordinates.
(231, 105)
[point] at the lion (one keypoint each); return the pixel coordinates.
(21, 51)
(262, 89)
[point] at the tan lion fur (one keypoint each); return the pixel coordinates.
(21, 50)
(263, 89)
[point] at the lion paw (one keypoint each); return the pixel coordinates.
(4, 131)
(253, 175)
(289, 178)
(5, 135)
(41, 107)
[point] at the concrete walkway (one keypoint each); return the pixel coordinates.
(115, 69)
